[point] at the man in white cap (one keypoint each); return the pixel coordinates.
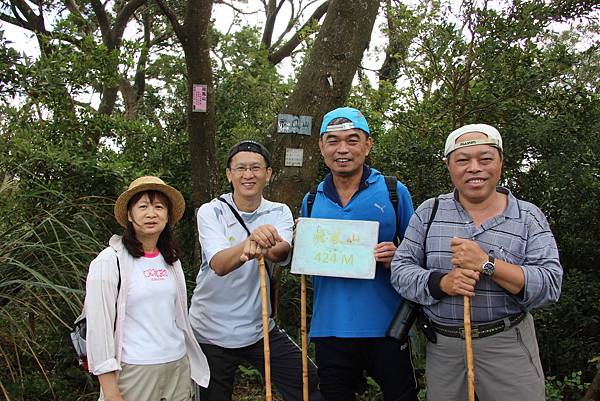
(481, 242)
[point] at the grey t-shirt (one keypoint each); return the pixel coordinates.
(226, 311)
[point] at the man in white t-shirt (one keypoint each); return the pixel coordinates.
(235, 229)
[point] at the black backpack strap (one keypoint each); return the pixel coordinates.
(431, 217)
(310, 201)
(391, 183)
(268, 267)
(118, 290)
(236, 214)
(119, 270)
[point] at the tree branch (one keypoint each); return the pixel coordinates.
(170, 14)
(140, 73)
(37, 21)
(159, 39)
(236, 9)
(284, 51)
(271, 14)
(73, 8)
(65, 38)
(30, 27)
(395, 50)
(16, 22)
(292, 21)
(103, 23)
(17, 15)
(123, 17)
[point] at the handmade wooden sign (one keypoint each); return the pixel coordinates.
(336, 248)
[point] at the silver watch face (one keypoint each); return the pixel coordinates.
(488, 268)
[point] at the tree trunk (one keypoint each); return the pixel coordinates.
(335, 57)
(201, 126)
(194, 36)
(593, 392)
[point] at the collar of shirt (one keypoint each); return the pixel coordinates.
(329, 187)
(512, 210)
(228, 215)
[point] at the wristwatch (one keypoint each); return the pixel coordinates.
(488, 267)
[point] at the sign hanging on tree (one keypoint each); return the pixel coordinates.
(293, 124)
(293, 157)
(199, 98)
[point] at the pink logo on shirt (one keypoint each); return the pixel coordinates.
(156, 274)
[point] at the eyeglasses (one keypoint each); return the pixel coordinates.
(240, 170)
(249, 146)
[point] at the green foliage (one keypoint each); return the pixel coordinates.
(44, 257)
(54, 153)
(596, 361)
(568, 331)
(571, 386)
(505, 65)
(250, 386)
(245, 78)
(10, 79)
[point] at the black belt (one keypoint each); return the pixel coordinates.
(480, 330)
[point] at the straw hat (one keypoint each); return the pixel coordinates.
(150, 183)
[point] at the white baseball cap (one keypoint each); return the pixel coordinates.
(493, 137)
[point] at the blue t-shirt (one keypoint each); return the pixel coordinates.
(346, 307)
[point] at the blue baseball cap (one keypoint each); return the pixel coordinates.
(357, 120)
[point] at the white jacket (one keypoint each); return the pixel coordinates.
(103, 336)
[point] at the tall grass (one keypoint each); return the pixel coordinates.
(46, 244)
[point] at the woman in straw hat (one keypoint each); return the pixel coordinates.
(139, 340)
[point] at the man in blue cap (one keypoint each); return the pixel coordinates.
(350, 316)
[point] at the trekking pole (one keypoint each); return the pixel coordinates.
(469, 348)
(265, 319)
(304, 337)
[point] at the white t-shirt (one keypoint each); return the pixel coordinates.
(150, 335)
(226, 311)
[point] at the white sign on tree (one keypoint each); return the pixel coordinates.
(337, 248)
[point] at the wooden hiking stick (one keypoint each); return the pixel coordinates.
(304, 337)
(265, 319)
(469, 348)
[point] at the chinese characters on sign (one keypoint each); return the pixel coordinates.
(292, 124)
(337, 248)
(199, 98)
(293, 157)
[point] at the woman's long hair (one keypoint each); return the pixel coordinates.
(166, 243)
